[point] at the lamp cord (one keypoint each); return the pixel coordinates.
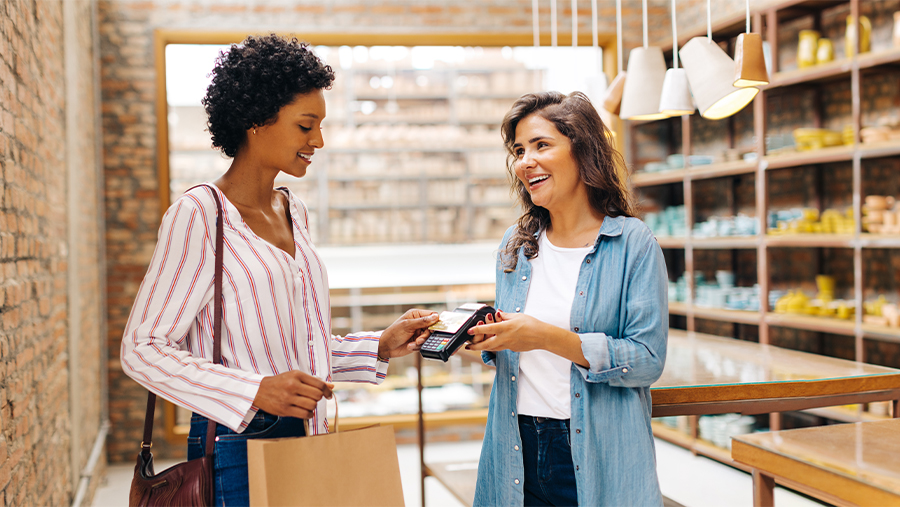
(646, 43)
(748, 16)
(619, 35)
(674, 39)
(553, 23)
(574, 23)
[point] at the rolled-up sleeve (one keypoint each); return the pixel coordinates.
(637, 358)
(177, 287)
(354, 358)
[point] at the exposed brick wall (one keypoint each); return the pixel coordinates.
(35, 420)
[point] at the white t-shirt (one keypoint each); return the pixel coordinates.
(544, 377)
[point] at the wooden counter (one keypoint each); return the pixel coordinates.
(844, 464)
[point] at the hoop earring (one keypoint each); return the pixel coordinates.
(254, 130)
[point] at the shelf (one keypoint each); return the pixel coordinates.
(671, 242)
(800, 158)
(869, 60)
(699, 446)
(868, 240)
(403, 96)
(725, 242)
(817, 73)
(736, 167)
(810, 323)
(881, 333)
(810, 240)
(411, 149)
(643, 179)
(355, 207)
(678, 308)
(845, 415)
(397, 177)
(879, 150)
(721, 314)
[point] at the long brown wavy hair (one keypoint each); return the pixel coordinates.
(598, 164)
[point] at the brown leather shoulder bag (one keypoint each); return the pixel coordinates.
(188, 484)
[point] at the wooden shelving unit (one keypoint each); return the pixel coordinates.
(846, 73)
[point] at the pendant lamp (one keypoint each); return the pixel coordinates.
(646, 70)
(676, 97)
(749, 60)
(613, 100)
(710, 72)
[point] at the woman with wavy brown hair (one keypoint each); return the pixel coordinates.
(581, 327)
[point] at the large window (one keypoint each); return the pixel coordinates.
(413, 150)
(413, 166)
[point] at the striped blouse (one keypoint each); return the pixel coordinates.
(276, 316)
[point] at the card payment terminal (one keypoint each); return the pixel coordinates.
(451, 331)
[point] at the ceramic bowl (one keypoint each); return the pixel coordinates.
(876, 202)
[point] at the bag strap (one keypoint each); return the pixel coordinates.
(217, 337)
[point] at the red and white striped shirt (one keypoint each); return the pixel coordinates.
(276, 315)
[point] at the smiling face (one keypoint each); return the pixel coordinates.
(545, 165)
(288, 144)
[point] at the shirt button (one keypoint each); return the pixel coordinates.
(576, 329)
(588, 261)
(624, 370)
(517, 308)
(577, 431)
(581, 293)
(524, 278)
(517, 481)
(578, 395)
(512, 414)
(516, 447)
(513, 378)
(577, 467)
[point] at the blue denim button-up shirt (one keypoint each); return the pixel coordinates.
(620, 312)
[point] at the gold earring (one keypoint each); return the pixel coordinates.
(254, 130)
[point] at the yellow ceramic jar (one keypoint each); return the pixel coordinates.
(806, 50)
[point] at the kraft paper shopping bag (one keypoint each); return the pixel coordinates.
(350, 468)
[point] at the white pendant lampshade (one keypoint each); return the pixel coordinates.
(643, 88)
(710, 72)
(676, 97)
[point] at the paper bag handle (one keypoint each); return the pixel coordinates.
(306, 421)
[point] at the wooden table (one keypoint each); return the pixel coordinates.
(707, 374)
(844, 464)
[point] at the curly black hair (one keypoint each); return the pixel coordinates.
(253, 80)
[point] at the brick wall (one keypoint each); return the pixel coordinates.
(40, 455)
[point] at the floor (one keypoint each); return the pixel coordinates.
(689, 480)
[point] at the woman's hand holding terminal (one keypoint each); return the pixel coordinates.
(292, 394)
(407, 334)
(520, 333)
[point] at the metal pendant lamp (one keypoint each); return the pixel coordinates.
(749, 59)
(643, 88)
(613, 100)
(710, 72)
(676, 97)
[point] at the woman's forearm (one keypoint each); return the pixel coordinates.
(564, 343)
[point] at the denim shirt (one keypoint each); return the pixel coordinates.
(620, 312)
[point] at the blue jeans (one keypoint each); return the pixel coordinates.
(231, 484)
(547, 452)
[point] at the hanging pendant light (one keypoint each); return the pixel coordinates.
(749, 62)
(613, 100)
(710, 72)
(676, 97)
(646, 70)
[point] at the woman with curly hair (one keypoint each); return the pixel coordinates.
(278, 356)
(582, 321)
